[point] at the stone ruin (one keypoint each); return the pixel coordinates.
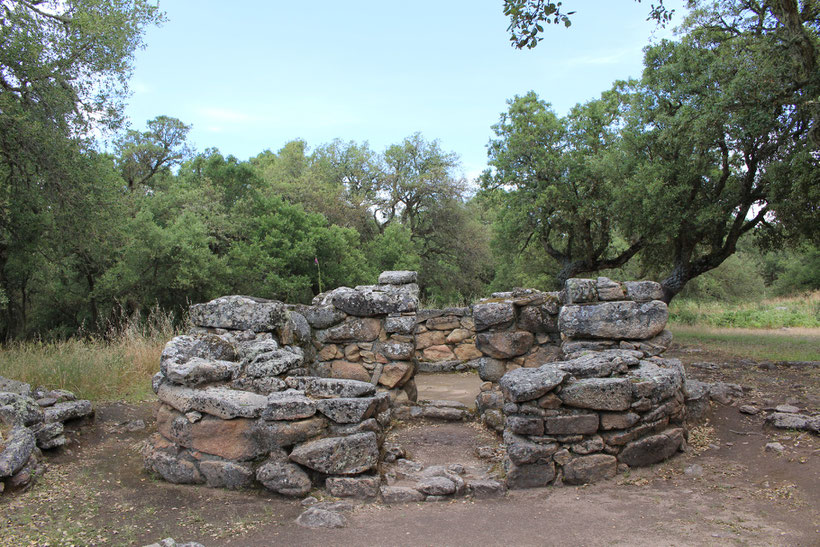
(296, 397)
(31, 420)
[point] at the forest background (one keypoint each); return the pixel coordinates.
(702, 174)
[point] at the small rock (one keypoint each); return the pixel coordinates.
(321, 518)
(694, 470)
(788, 409)
(400, 494)
(308, 501)
(775, 447)
(748, 409)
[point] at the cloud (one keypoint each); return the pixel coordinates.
(610, 58)
(225, 115)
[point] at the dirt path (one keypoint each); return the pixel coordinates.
(726, 491)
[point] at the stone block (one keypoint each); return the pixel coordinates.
(239, 313)
(504, 345)
(533, 475)
(526, 384)
(493, 314)
(589, 469)
(572, 424)
(364, 487)
(349, 455)
(652, 449)
(598, 394)
(614, 320)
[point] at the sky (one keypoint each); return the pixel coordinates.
(252, 75)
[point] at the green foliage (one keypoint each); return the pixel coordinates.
(527, 19)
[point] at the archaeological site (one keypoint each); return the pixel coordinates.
(294, 397)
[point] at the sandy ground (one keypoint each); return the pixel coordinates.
(727, 490)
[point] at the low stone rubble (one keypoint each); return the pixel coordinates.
(32, 420)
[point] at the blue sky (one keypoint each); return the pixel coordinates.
(252, 75)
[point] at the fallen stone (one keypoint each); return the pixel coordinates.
(284, 478)
(775, 447)
(173, 468)
(652, 449)
(314, 517)
(13, 386)
(788, 409)
(724, 393)
(800, 422)
(339, 455)
(748, 409)
(400, 494)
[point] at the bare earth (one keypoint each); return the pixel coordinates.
(96, 493)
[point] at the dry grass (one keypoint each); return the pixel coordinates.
(115, 366)
(792, 344)
(774, 313)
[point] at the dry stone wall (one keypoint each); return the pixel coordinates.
(293, 397)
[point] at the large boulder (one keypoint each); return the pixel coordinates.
(69, 410)
(239, 313)
(613, 320)
(349, 455)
